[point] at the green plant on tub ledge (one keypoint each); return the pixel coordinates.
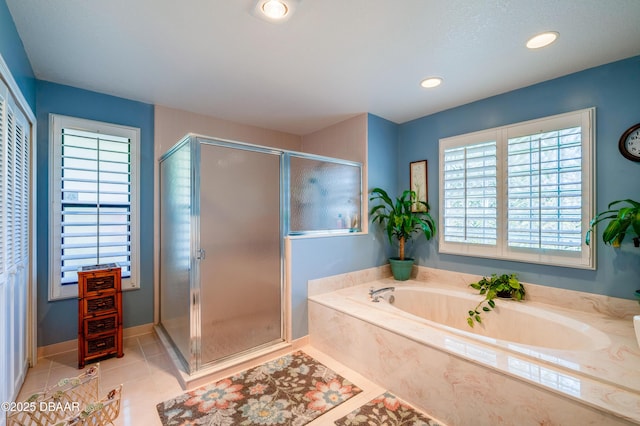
(496, 286)
(401, 225)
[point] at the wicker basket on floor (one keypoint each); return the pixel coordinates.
(100, 413)
(71, 402)
(58, 402)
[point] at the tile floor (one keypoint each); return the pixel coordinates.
(147, 377)
(145, 372)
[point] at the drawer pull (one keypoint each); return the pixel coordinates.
(101, 304)
(100, 325)
(100, 283)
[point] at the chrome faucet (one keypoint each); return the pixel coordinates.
(375, 295)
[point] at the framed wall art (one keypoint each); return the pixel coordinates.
(418, 183)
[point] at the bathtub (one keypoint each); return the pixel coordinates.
(525, 324)
(549, 365)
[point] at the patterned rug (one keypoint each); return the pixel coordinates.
(386, 410)
(291, 390)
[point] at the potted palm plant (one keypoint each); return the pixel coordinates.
(622, 221)
(401, 223)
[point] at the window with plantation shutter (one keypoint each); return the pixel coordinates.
(544, 190)
(520, 192)
(94, 193)
(470, 208)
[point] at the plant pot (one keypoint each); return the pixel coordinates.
(401, 269)
(504, 295)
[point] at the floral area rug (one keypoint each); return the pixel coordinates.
(291, 390)
(386, 410)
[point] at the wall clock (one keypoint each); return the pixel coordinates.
(629, 144)
(418, 183)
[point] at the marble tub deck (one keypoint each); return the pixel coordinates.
(601, 385)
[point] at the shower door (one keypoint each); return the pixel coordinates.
(240, 250)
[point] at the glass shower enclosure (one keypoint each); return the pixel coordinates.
(221, 249)
(225, 208)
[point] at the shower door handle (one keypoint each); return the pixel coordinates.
(201, 254)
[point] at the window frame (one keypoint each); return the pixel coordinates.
(57, 123)
(586, 257)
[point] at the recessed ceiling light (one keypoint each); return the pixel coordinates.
(542, 40)
(275, 9)
(431, 82)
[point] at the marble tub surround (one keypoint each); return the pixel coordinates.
(460, 378)
(570, 299)
(350, 279)
(562, 298)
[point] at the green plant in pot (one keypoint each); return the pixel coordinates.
(497, 286)
(401, 224)
(622, 221)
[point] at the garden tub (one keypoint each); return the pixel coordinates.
(510, 322)
(527, 363)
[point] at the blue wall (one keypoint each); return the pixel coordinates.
(14, 55)
(57, 321)
(614, 89)
(313, 258)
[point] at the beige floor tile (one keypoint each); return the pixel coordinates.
(123, 375)
(43, 364)
(129, 418)
(140, 398)
(148, 378)
(131, 344)
(148, 338)
(131, 341)
(65, 359)
(160, 361)
(167, 389)
(139, 394)
(132, 355)
(152, 348)
(162, 370)
(34, 382)
(63, 372)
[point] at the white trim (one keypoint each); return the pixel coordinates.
(586, 258)
(56, 124)
(31, 273)
(6, 75)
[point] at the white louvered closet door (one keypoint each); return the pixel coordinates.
(15, 173)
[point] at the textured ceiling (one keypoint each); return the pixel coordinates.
(332, 59)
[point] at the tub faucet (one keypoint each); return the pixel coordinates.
(375, 295)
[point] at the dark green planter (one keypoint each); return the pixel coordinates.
(401, 269)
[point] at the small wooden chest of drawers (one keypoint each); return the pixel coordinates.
(99, 312)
